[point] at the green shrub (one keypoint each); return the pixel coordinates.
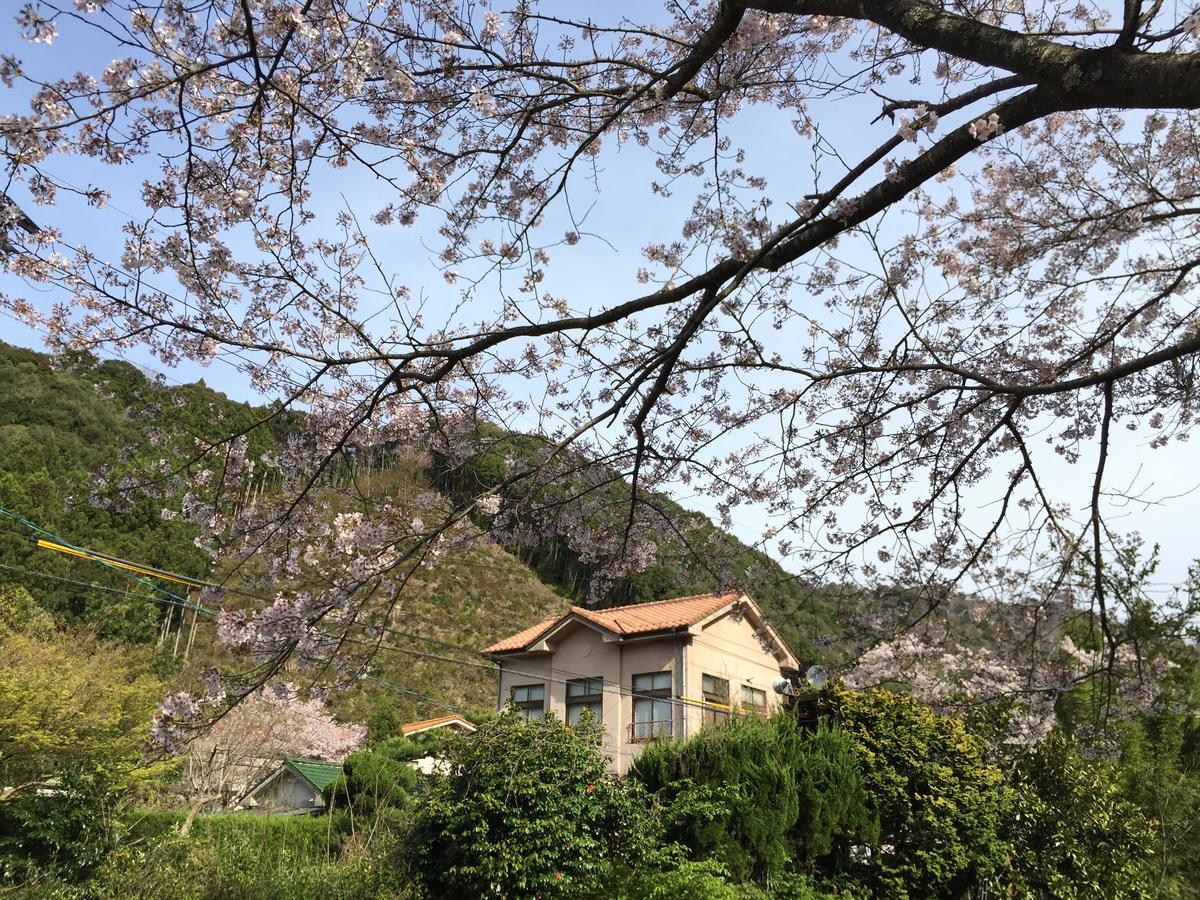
(375, 782)
(526, 810)
(786, 798)
(708, 879)
(62, 833)
(1160, 772)
(705, 879)
(244, 856)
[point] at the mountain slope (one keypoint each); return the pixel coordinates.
(60, 425)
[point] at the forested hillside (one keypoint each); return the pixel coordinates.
(71, 429)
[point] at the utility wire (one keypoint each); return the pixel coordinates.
(170, 599)
(620, 689)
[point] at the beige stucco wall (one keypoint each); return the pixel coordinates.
(728, 649)
(725, 648)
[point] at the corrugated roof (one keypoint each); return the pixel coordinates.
(439, 722)
(637, 618)
(319, 774)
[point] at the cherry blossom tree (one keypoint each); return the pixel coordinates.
(251, 739)
(983, 259)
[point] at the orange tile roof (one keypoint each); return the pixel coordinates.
(523, 638)
(637, 618)
(426, 724)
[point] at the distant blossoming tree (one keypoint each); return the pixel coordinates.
(983, 257)
(253, 737)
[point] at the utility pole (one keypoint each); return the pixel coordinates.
(178, 631)
(191, 634)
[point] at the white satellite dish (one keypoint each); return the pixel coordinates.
(817, 676)
(783, 686)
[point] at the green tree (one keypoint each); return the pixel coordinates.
(62, 833)
(791, 798)
(941, 804)
(21, 614)
(527, 810)
(72, 704)
(1073, 835)
(379, 781)
(1160, 772)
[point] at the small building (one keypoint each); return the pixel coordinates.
(453, 723)
(660, 669)
(432, 762)
(297, 786)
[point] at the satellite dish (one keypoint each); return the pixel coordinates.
(783, 686)
(816, 676)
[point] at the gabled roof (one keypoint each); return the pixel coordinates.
(319, 774)
(625, 621)
(439, 722)
(523, 639)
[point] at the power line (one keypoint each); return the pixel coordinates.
(91, 585)
(16, 517)
(620, 689)
(175, 600)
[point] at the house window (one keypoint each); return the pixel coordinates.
(585, 694)
(754, 699)
(716, 700)
(529, 700)
(652, 707)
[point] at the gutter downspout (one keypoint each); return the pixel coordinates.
(681, 708)
(499, 686)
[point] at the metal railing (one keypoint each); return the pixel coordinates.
(648, 731)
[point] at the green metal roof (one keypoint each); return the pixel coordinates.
(320, 775)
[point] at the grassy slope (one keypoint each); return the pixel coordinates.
(468, 600)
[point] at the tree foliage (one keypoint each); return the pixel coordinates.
(1074, 834)
(248, 741)
(788, 800)
(71, 430)
(72, 704)
(893, 358)
(379, 780)
(60, 833)
(527, 809)
(1159, 770)
(941, 804)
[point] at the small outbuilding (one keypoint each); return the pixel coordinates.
(431, 762)
(297, 786)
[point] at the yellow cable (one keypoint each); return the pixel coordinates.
(119, 563)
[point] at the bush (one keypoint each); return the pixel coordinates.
(526, 810)
(245, 856)
(787, 798)
(694, 880)
(708, 879)
(376, 782)
(62, 833)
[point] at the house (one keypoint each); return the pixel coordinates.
(664, 668)
(432, 762)
(297, 786)
(452, 723)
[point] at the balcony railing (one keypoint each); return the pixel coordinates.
(648, 731)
